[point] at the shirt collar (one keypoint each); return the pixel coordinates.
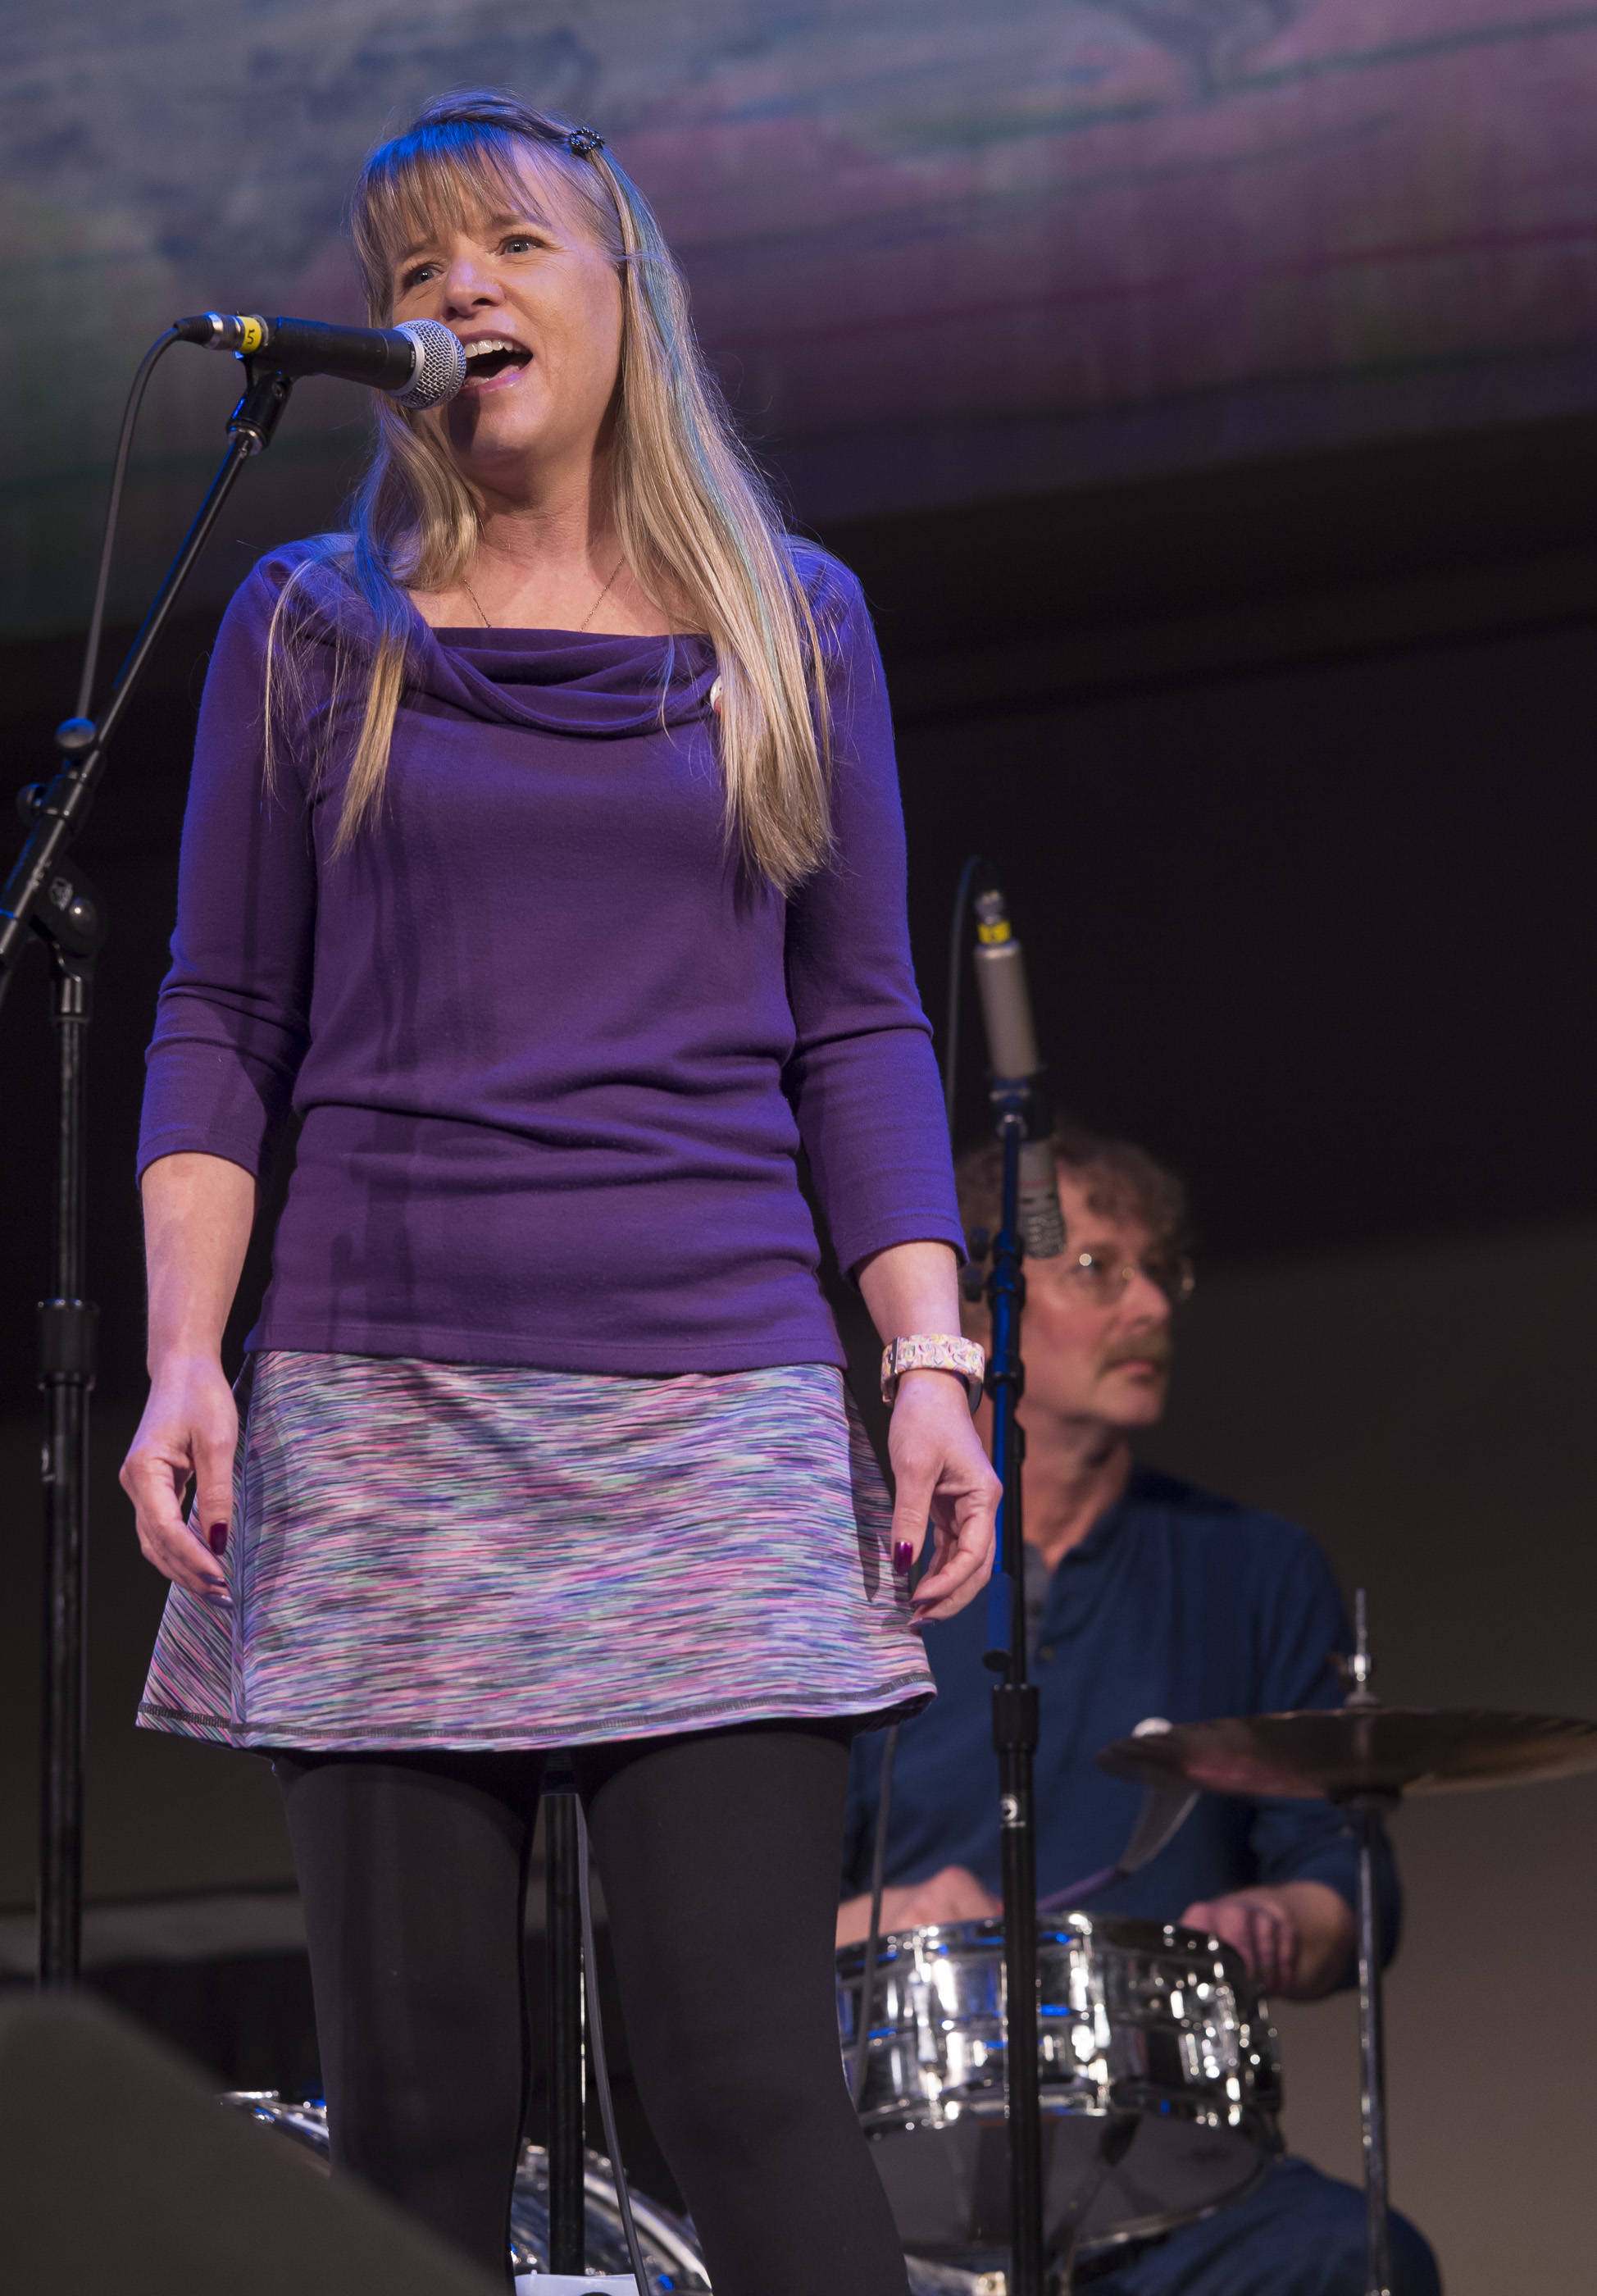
(1108, 1526)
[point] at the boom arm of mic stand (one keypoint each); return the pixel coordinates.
(47, 894)
(64, 807)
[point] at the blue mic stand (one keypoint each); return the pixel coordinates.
(1015, 1727)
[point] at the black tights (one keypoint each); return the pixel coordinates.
(719, 1854)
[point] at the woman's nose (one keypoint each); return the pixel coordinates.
(467, 285)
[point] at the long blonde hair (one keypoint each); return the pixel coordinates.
(695, 519)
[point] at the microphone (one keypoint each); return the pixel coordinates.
(1013, 1060)
(420, 362)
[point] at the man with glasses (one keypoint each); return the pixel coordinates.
(1145, 1598)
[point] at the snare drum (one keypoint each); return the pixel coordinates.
(1161, 2079)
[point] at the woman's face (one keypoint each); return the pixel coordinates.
(536, 300)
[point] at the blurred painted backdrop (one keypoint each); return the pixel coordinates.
(939, 251)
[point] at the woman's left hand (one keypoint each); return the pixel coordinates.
(941, 1472)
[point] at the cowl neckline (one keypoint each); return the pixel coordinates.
(578, 681)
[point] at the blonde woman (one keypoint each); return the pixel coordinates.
(544, 858)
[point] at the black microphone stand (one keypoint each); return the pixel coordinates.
(1015, 1714)
(46, 893)
(567, 2221)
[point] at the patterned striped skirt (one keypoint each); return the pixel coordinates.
(447, 1554)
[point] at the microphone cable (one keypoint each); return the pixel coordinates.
(956, 936)
(119, 473)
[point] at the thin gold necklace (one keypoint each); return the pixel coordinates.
(587, 619)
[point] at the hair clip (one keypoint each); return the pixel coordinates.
(583, 142)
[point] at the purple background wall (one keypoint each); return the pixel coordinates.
(939, 252)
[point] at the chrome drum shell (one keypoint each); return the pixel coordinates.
(1161, 2079)
(671, 2252)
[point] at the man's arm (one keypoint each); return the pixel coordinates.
(1297, 1938)
(953, 1895)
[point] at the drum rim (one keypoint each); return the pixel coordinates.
(1129, 1932)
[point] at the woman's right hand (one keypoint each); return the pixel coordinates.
(189, 1432)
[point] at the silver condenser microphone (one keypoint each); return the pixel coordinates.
(1014, 1062)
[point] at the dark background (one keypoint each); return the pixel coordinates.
(1287, 769)
(1288, 774)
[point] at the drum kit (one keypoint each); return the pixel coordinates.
(1159, 2073)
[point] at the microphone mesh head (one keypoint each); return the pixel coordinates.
(440, 364)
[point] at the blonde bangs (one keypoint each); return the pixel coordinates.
(418, 183)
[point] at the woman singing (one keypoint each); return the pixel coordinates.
(544, 857)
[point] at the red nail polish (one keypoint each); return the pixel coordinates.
(218, 1538)
(904, 1555)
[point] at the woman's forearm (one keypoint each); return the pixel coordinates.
(199, 1211)
(911, 1287)
(939, 1467)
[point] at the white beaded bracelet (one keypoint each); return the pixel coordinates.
(933, 1351)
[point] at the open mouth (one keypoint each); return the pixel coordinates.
(493, 356)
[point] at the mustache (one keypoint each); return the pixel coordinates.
(1154, 1350)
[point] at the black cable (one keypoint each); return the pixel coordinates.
(956, 936)
(607, 2111)
(130, 416)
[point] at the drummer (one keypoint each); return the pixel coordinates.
(1145, 1598)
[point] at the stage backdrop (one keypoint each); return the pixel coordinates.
(938, 251)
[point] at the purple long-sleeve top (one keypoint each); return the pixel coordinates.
(552, 1052)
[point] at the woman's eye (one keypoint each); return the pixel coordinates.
(520, 242)
(416, 276)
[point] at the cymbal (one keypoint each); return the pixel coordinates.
(1357, 1750)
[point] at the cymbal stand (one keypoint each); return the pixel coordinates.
(1368, 1811)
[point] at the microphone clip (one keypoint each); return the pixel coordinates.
(257, 414)
(1022, 1097)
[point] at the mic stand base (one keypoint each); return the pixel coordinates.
(1015, 1741)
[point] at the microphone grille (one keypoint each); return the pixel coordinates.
(440, 364)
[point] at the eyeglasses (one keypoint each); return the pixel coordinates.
(1106, 1281)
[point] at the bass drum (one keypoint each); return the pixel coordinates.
(1160, 2080)
(670, 2252)
(669, 2242)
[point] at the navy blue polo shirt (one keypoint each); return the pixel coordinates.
(1175, 1604)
